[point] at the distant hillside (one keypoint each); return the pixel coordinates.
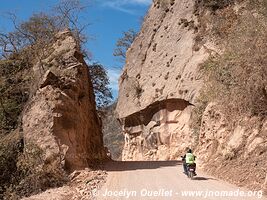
(112, 132)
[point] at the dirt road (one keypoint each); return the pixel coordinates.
(165, 180)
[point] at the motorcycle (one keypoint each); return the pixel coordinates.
(191, 171)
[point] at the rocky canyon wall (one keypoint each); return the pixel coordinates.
(160, 83)
(61, 117)
(164, 83)
(237, 153)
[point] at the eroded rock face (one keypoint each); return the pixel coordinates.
(264, 187)
(159, 88)
(61, 117)
(161, 65)
(236, 154)
(155, 132)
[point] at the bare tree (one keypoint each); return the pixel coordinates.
(69, 16)
(30, 41)
(41, 28)
(33, 34)
(124, 43)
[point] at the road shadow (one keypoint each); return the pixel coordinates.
(136, 165)
(199, 178)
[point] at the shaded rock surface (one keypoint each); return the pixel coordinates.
(61, 116)
(113, 139)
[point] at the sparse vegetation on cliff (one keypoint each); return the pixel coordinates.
(15, 81)
(235, 91)
(24, 173)
(238, 78)
(214, 4)
(164, 4)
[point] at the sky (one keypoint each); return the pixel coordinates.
(107, 18)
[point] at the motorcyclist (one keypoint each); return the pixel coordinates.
(188, 159)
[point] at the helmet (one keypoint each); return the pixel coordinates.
(189, 151)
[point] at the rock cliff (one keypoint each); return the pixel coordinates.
(160, 83)
(187, 56)
(236, 154)
(61, 117)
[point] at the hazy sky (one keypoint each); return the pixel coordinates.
(108, 19)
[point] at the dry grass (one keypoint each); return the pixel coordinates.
(237, 79)
(239, 76)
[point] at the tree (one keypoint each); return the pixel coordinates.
(69, 16)
(100, 82)
(124, 43)
(30, 39)
(41, 27)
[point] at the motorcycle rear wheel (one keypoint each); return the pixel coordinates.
(190, 175)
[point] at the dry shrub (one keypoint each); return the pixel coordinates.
(15, 78)
(163, 4)
(213, 4)
(196, 117)
(9, 152)
(24, 172)
(238, 78)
